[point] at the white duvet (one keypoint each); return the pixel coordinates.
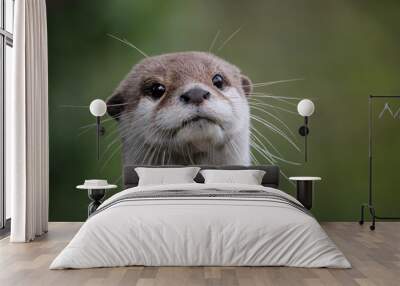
(200, 231)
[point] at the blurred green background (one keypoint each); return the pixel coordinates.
(344, 50)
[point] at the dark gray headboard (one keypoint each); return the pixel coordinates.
(271, 177)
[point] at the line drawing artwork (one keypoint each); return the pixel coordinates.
(386, 109)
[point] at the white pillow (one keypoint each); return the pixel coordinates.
(248, 177)
(165, 176)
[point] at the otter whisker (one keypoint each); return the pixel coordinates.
(124, 131)
(88, 127)
(126, 42)
(126, 115)
(146, 138)
(145, 142)
(286, 101)
(268, 159)
(263, 154)
(171, 146)
(139, 149)
(95, 124)
(268, 83)
(261, 104)
(163, 158)
(214, 41)
(271, 162)
(275, 157)
(83, 132)
(275, 129)
(260, 144)
(229, 38)
(253, 137)
(256, 99)
(87, 106)
(163, 150)
(252, 142)
(149, 162)
(234, 147)
(209, 152)
(110, 157)
(151, 147)
(266, 95)
(269, 125)
(156, 150)
(189, 156)
(253, 158)
(169, 156)
(112, 133)
(286, 177)
(118, 181)
(119, 129)
(116, 150)
(74, 106)
(117, 139)
(117, 104)
(106, 120)
(265, 139)
(274, 117)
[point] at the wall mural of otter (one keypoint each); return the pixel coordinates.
(323, 42)
(195, 108)
(192, 108)
(183, 108)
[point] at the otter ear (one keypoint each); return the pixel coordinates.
(115, 105)
(246, 85)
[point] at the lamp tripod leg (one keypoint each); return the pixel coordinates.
(372, 211)
(361, 222)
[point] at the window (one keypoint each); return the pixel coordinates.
(6, 62)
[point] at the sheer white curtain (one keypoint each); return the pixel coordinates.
(27, 124)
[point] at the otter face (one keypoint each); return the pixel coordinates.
(190, 98)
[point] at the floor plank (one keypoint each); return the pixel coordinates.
(375, 256)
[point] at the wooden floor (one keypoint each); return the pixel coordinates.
(375, 257)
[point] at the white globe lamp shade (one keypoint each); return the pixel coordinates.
(305, 107)
(98, 107)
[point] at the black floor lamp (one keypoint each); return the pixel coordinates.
(370, 205)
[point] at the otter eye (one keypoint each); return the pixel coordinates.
(157, 90)
(218, 81)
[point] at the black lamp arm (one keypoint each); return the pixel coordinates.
(304, 131)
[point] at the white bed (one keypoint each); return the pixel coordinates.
(185, 230)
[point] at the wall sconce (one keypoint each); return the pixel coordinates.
(98, 108)
(305, 108)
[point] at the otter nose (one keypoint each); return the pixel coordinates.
(195, 96)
